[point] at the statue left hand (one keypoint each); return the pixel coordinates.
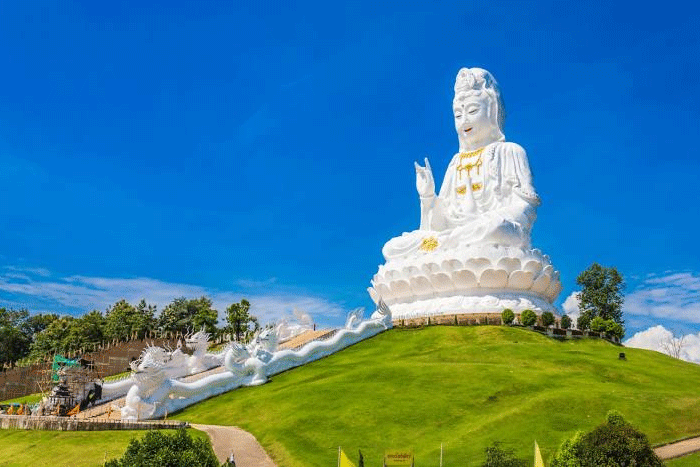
(424, 180)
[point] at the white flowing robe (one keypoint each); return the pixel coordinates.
(505, 210)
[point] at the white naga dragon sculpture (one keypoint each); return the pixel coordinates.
(155, 393)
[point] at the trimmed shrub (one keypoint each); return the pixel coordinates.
(528, 318)
(507, 316)
(176, 450)
(547, 319)
(498, 457)
(598, 324)
(614, 443)
(565, 322)
(614, 329)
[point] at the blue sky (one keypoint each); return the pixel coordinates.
(166, 149)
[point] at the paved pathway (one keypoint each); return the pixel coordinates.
(247, 452)
(681, 448)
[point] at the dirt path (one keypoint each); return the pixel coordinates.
(681, 448)
(247, 452)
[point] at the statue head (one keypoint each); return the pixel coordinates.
(478, 109)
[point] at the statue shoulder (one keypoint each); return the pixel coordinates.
(509, 150)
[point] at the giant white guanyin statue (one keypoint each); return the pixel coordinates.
(472, 252)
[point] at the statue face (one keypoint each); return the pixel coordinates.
(473, 120)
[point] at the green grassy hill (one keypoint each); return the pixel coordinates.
(461, 386)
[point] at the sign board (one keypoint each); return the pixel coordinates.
(398, 458)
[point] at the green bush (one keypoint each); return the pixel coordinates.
(507, 316)
(498, 457)
(528, 318)
(565, 322)
(547, 318)
(567, 455)
(614, 329)
(609, 326)
(615, 443)
(598, 324)
(176, 450)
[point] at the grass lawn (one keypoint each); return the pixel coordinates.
(691, 460)
(464, 387)
(21, 448)
(29, 399)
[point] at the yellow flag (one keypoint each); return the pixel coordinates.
(344, 461)
(538, 456)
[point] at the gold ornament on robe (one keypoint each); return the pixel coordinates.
(461, 190)
(468, 166)
(429, 244)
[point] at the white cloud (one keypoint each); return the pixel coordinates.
(671, 295)
(571, 308)
(37, 271)
(655, 337)
(83, 293)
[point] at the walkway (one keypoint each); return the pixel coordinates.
(247, 452)
(681, 448)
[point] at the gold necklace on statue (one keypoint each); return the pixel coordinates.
(468, 166)
(465, 165)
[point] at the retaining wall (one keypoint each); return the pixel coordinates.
(28, 422)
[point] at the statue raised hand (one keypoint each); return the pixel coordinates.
(425, 183)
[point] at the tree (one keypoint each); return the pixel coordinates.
(565, 322)
(37, 323)
(159, 448)
(673, 345)
(598, 324)
(601, 294)
(14, 341)
(507, 316)
(240, 320)
(528, 318)
(52, 339)
(88, 329)
(583, 322)
(612, 444)
(498, 457)
(547, 318)
(124, 320)
(608, 326)
(183, 315)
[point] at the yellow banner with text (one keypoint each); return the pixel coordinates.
(398, 458)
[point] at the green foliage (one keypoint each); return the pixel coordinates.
(547, 318)
(499, 457)
(583, 322)
(14, 341)
(565, 322)
(528, 318)
(615, 443)
(608, 326)
(66, 334)
(567, 455)
(598, 324)
(160, 449)
(615, 329)
(183, 315)
(507, 316)
(601, 293)
(124, 320)
(52, 339)
(88, 329)
(239, 319)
